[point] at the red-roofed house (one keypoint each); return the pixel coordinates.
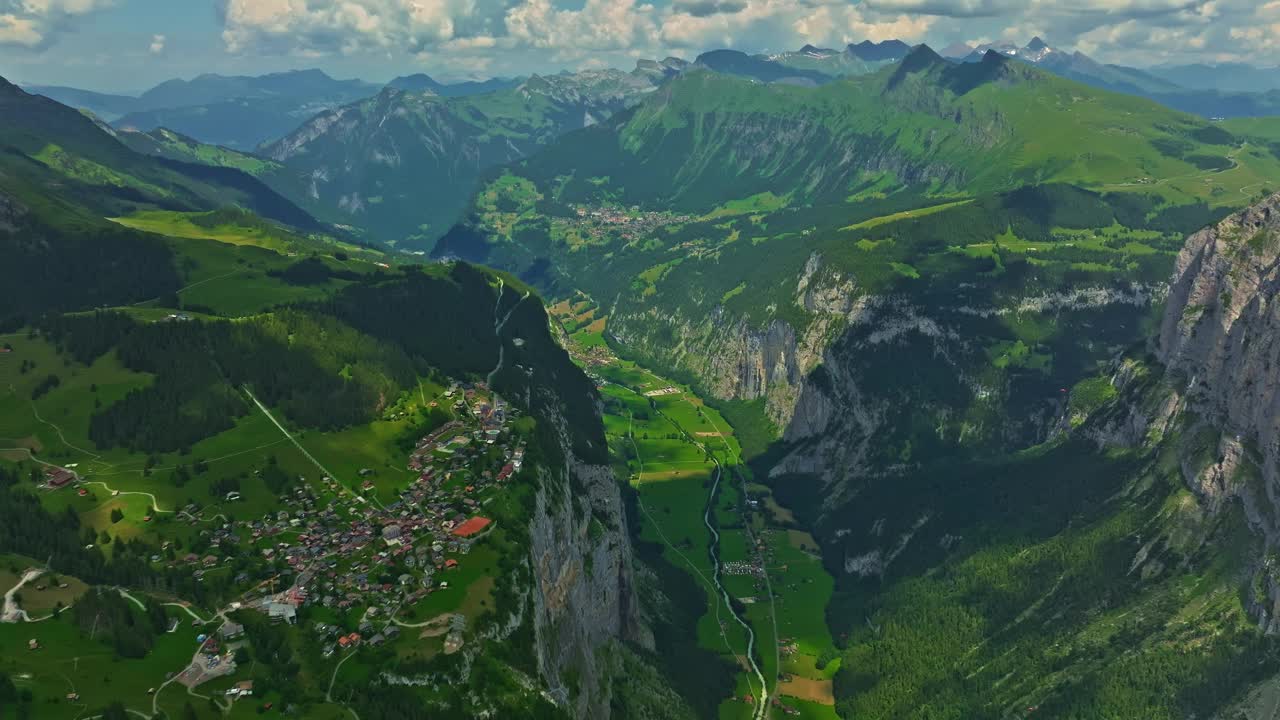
(472, 527)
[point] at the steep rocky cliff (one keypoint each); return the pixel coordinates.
(584, 599)
(1221, 331)
(1220, 340)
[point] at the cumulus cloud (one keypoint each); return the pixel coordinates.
(315, 27)
(1262, 34)
(706, 8)
(599, 25)
(36, 24)
(349, 26)
(572, 30)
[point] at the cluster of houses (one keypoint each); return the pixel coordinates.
(752, 568)
(597, 222)
(344, 550)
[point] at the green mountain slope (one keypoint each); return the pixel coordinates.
(926, 124)
(165, 143)
(61, 175)
(200, 370)
(1121, 569)
(1078, 579)
(176, 425)
(81, 159)
(401, 166)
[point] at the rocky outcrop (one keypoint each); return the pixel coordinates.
(1221, 334)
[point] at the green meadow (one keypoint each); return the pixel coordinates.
(69, 662)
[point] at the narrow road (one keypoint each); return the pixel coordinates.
(198, 283)
(182, 606)
(155, 504)
(328, 694)
(63, 438)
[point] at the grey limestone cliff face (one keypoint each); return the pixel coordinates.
(584, 597)
(740, 360)
(1220, 340)
(1221, 330)
(581, 602)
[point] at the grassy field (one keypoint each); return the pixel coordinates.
(234, 280)
(69, 662)
(237, 228)
(226, 259)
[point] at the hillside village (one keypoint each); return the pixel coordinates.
(347, 551)
(359, 562)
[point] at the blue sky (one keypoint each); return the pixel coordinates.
(129, 45)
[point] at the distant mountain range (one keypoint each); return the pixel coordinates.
(1227, 77)
(707, 138)
(400, 162)
(421, 82)
(243, 112)
(1202, 90)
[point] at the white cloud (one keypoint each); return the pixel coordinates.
(599, 25)
(36, 24)
(568, 31)
(157, 44)
(789, 24)
(15, 30)
(349, 26)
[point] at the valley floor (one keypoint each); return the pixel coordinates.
(766, 587)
